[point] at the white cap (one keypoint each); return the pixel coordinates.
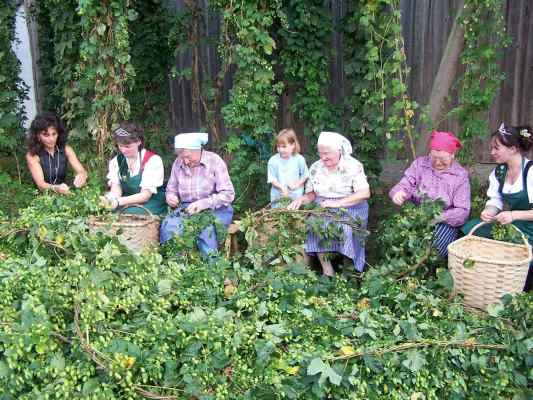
(336, 141)
(190, 141)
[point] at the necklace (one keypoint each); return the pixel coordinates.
(132, 162)
(50, 163)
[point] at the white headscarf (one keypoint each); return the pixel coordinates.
(190, 141)
(335, 140)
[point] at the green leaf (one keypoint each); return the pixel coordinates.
(414, 361)
(58, 362)
(495, 310)
(101, 28)
(90, 386)
(4, 370)
(164, 287)
(317, 366)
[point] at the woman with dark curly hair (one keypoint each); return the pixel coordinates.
(48, 155)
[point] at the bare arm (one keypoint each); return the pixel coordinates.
(80, 174)
(138, 198)
(116, 190)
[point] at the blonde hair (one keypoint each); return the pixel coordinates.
(288, 136)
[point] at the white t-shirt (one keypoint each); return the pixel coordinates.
(495, 199)
(152, 177)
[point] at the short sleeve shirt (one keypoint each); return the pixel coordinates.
(153, 174)
(495, 198)
(347, 178)
(286, 171)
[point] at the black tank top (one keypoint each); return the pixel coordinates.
(54, 167)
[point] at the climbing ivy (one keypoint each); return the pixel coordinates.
(59, 47)
(485, 38)
(304, 56)
(379, 111)
(253, 99)
(151, 57)
(12, 89)
(105, 66)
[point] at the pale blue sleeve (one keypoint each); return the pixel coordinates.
(272, 170)
(302, 165)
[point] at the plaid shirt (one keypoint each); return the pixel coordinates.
(209, 182)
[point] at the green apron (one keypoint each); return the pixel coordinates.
(131, 185)
(513, 201)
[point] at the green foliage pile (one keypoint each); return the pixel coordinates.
(506, 233)
(84, 318)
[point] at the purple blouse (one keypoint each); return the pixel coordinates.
(209, 182)
(451, 186)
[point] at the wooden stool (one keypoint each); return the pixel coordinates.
(232, 245)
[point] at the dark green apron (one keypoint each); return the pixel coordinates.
(512, 201)
(131, 185)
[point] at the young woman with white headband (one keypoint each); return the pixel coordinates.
(510, 190)
(135, 176)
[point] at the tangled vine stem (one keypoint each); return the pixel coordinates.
(267, 215)
(467, 344)
(419, 263)
(92, 353)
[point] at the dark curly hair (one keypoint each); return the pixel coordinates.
(41, 123)
(520, 137)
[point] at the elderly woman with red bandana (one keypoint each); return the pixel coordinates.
(438, 176)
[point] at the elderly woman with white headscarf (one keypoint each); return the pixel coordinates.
(337, 180)
(199, 180)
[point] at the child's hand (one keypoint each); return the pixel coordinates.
(293, 185)
(285, 192)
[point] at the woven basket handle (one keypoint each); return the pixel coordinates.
(485, 223)
(140, 206)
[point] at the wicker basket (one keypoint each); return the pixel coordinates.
(484, 270)
(138, 232)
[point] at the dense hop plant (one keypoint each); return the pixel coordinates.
(253, 100)
(12, 89)
(84, 318)
(105, 65)
(304, 56)
(59, 47)
(485, 38)
(151, 58)
(378, 107)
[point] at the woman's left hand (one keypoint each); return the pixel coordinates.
(195, 207)
(79, 180)
(330, 204)
(505, 217)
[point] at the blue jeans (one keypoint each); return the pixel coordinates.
(207, 239)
